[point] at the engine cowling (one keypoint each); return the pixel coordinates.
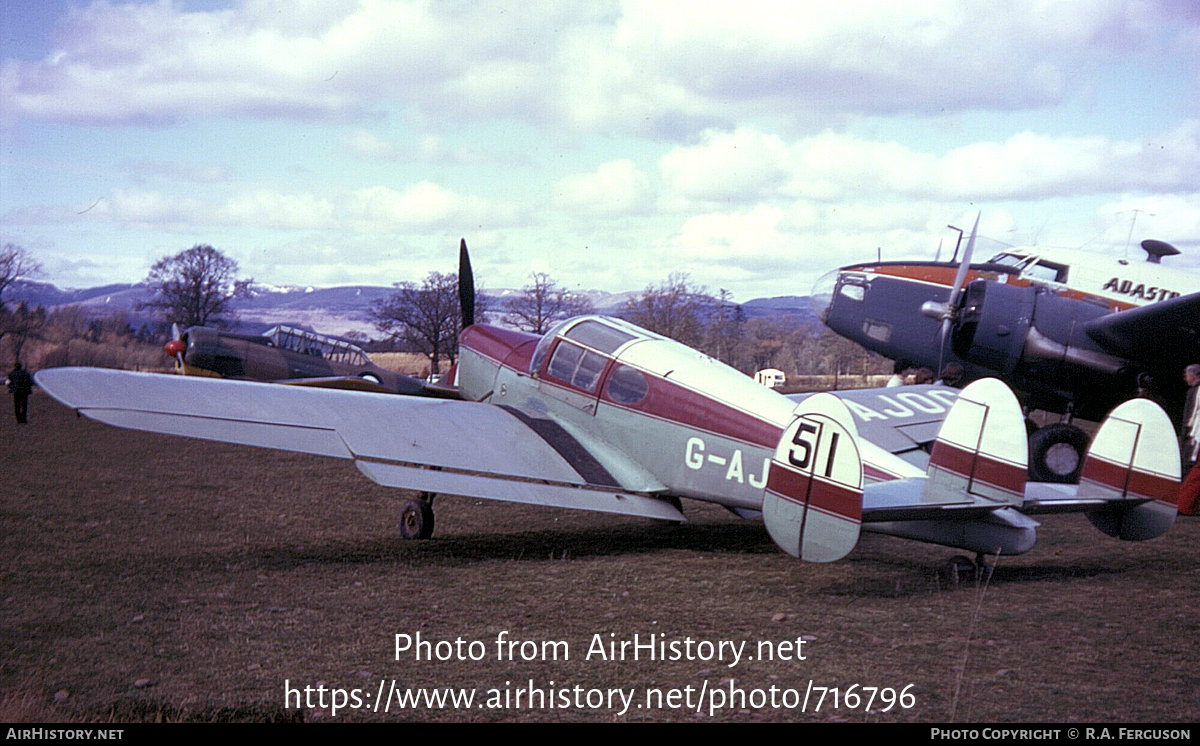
(993, 325)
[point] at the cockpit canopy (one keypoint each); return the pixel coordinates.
(1031, 266)
(592, 340)
(319, 345)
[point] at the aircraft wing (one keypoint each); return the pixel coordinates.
(419, 443)
(1167, 332)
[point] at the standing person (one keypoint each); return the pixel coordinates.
(952, 375)
(20, 385)
(1187, 436)
(1189, 490)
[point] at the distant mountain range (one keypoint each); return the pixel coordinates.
(336, 310)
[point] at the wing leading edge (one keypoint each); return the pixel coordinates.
(435, 445)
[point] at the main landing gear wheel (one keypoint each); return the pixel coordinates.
(1056, 453)
(416, 519)
(961, 569)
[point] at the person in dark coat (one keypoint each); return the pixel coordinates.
(20, 385)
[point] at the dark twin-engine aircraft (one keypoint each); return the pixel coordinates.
(599, 414)
(1073, 332)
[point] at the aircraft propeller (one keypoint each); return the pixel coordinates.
(466, 285)
(176, 347)
(948, 311)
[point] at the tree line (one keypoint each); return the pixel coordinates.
(426, 318)
(200, 287)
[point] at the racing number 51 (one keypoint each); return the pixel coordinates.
(807, 440)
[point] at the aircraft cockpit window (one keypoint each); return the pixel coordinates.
(591, 365)
(627, 385)
(574, 365)
(562, 364)
(1046, 272)
(1008, 260)
(853, 292)
(598, 336)
(543, 347)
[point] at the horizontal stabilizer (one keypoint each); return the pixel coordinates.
(980, 450)
(812, 504)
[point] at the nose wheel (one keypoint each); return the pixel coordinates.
(416, 519)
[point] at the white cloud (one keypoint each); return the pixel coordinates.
(663, 66)
(376, 209)
(747, 165)
(368, 145)
(615, 188)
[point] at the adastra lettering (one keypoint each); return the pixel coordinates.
(1138, 290)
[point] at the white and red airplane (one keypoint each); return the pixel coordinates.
(599, 414)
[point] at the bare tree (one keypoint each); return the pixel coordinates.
(196, 287)
(542, 302)
(19, 325)
(724, 333)
(674, 308)
(15, 264)
(426, 316)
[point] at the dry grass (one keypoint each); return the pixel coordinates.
(157, 578)
(408, 363)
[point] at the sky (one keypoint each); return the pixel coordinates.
(754, 146)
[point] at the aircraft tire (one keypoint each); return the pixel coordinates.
(416, 519)
(960, 570)
(1056, 453)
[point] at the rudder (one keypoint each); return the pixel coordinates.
(980, 449)
(812, 504)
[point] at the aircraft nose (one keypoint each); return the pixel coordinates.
(822, 293)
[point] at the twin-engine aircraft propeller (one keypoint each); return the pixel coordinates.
(948, 312)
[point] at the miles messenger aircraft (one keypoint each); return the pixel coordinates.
(599, 414)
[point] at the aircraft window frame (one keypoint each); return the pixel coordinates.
(589, 370)
(852, 291)
(543, 347)
(1046, 271)
(599, 336)
(627, 385)
(859, 284)
(584, 370)
(561, 369)
(880, 331)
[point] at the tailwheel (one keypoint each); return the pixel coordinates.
(416, 519)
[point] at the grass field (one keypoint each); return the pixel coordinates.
(148, 577)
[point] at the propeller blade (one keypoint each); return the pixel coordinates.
(961, 276)
(466, 285)
(955, 298)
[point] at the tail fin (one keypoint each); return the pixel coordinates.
(1133, 464)
(980, 449)
(812, 504)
